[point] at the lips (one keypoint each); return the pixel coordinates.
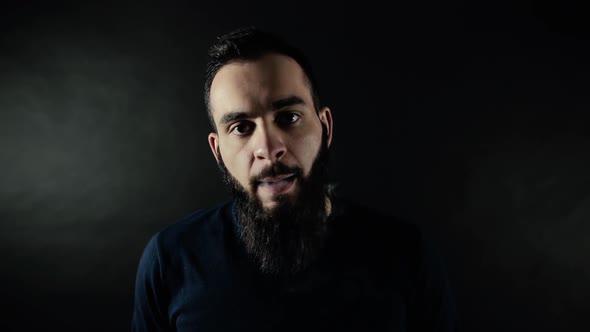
(276, 185)
(272, 180)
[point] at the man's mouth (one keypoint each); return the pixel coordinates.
(276, 179)
(276, 185)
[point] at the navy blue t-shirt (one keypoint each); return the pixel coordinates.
(376, 273)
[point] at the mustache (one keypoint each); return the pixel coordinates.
(274, 170)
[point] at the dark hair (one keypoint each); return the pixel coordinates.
(248, 44)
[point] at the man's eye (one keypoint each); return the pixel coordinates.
(285, 119)
(242, 128)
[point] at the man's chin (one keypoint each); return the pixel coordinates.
(274, 203)
(271, 201)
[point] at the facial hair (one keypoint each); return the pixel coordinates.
(284, 239)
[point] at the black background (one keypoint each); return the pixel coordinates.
(469, 118)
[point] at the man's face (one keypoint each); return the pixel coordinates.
(265, 118)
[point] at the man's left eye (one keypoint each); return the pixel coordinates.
(287, 118)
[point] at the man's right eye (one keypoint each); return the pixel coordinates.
(242, 128)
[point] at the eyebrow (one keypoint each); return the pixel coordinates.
(284, 102)
(232, 116)
(275, 105)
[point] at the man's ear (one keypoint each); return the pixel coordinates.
(214, 144)
(325, 116)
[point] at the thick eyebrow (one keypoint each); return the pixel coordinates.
(275, 105)
(284, 102)
(232, 116)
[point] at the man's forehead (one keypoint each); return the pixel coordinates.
(256, 85)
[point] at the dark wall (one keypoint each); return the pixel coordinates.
(470, 119)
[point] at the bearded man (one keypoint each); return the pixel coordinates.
(286, 252)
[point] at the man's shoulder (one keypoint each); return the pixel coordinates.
(194, 227)
(386, 236)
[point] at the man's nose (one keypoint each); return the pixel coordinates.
(268, 144)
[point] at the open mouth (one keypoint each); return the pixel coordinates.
(277, 185)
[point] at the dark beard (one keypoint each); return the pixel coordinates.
(288, 237)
